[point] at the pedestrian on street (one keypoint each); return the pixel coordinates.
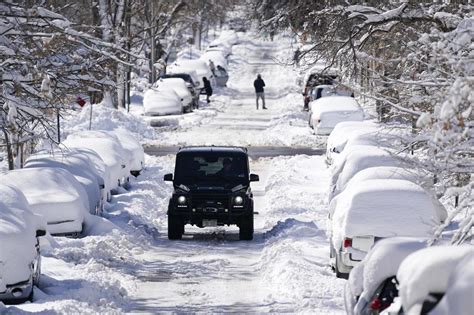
(207, 88)
(259, 84)
(212, 66)
(296, 57)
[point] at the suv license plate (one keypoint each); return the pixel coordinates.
(209, 222)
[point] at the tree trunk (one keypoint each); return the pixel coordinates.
(11, 164)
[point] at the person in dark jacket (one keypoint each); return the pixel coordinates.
(207, 88)
(259, 84)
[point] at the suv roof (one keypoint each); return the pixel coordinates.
(213, 149)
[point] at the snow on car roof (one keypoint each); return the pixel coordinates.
(386, 208)
(18, 225)
(334, 103)
(458, 298)
(383, 260)
(388, 172)
(357, 159)
(174, 82)
(428, 270)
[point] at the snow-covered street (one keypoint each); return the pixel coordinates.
(129, 265)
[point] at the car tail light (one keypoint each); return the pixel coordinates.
(347, 242)
(376, 304)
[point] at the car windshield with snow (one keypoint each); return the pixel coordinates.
(211, 188)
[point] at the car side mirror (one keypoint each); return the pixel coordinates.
(168, 177)
(254, 178)
(40, 233)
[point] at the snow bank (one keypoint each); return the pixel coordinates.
(415, 275)
(385, 208)
(53, 193)
(106, 118)
(18, 226)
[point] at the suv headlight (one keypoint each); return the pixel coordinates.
(182, 200)
(238, 201)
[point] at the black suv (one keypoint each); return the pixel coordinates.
(211, 188)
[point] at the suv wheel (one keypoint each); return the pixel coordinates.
(175, 228)
(246, 228)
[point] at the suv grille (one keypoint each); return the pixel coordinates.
(203, 202)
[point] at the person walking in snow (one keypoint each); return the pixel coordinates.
(259, 84)
(207, 88)
(212, 66)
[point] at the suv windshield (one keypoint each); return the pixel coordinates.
(226, 167)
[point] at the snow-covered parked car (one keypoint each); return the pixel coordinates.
(159, 102)
(20, 259)
(426, 277)
(371, 286)
(342, 132)
(125, 153)
(375, 210)
(179, 86)
(78, 165)
(131, 144)
(327, 112)
(354, 160)
(55, 194)
(192, 83)
(199, 66)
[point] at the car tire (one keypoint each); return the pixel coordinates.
(339, 274)
(175, 228)
(246, 228)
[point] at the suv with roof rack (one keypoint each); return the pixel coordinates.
(211, 188)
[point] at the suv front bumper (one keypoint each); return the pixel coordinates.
(18, 292)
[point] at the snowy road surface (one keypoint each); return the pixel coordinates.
(129, 265)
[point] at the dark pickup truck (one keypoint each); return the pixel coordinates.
(211, 188)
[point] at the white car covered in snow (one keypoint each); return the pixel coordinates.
(159, 102)
(327, 112)
(55, 194)
(342, 132)
(179, 86)
(372, 284)
(109, 148)
(131, 144)
(354, 160)
(78, 165)
(200, 66)
(378, 209)
(437, 280)
(20, 259)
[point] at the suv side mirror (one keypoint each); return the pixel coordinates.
(40, 233)
(254, 178)
(168, 177)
